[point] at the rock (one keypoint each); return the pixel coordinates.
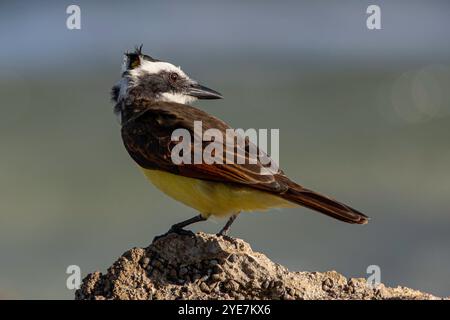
(210, 267)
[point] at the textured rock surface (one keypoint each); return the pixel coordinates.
(211, 267)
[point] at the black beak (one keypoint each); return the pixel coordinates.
(201, 92)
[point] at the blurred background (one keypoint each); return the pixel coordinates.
(364, 116)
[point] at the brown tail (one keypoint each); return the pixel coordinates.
(323, 204)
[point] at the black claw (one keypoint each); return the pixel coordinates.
(222, 233)
(225, 236)
(178, 228)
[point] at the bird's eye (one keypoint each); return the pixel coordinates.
(173, 76)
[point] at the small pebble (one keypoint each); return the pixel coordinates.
(327, 284)
(217, 277)
(278, 283)
(232, 286)
(213, 262)
(204, 287)
(217, 269)
(145, 261)
(204, 278)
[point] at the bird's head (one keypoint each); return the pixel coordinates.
(152, 79)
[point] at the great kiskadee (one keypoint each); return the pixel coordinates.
(152, 100)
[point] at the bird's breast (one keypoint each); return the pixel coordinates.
(213, 198)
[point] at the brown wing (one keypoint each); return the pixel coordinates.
(147, 137)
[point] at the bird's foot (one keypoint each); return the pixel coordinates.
(179, 231)
(224, 234)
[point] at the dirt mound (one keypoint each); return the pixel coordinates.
(209, 267)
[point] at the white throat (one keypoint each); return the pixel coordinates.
(177, 98)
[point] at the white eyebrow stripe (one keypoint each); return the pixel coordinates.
(158, 66)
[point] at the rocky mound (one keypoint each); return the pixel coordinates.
(205, 266)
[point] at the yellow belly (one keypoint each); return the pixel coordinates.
(214, 198)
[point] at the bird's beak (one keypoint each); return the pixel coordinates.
(202, 92)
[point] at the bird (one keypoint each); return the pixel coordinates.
(152, 99)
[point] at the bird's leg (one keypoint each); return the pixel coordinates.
(227, 226)
(178, 227)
